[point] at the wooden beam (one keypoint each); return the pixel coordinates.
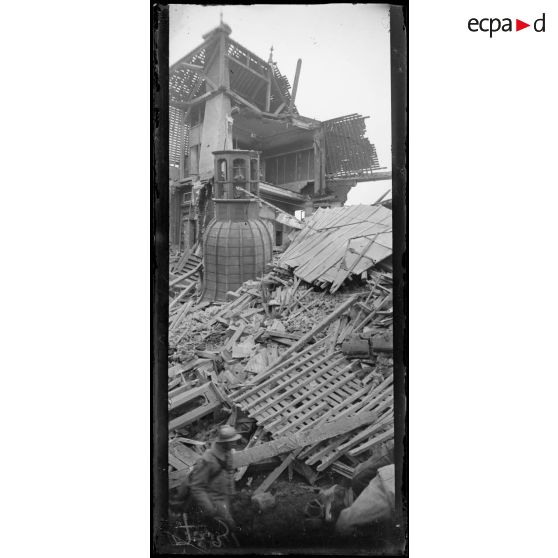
(253, 441)
(367, 445)
(194, 67)
(301, 439)
(279, 109)
(274, 475)
(243, 101)
(222, 65)
(268, 91)
(295, 85)
(341, 309)
(182, 277)
(179, 105)
(203, 98)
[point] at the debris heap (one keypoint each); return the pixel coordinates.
(304, 374)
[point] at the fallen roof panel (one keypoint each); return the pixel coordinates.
(338, 242)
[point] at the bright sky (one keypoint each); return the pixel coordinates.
(345, 54)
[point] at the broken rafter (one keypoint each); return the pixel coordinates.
(243, 101)
(301, 439)
(181, 278)
(295, 85)
(279, 109)
(341, 309)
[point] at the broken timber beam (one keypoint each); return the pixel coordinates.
(301, 439)
(322, 325)
(182, 277)
(274, 475)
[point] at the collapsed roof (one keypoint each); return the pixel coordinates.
(339, 242)
(249, 75)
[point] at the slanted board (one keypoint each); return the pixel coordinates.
(176, 463)
(301, 439)
(185, 454)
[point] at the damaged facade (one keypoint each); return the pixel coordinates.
(222, 96)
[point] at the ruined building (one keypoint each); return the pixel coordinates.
(224, 97)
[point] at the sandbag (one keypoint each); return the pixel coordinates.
(375, 503)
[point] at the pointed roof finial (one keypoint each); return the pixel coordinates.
(221, 17)
(270, 61)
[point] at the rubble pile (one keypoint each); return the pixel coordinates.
(279, 359)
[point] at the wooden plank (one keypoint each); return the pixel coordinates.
(388, 298)
(235, 336)
(177, 463)
(342, 308)
(367, 445)
(302, 439)
(357, 407)
(181, 314)
(295, 85)
(279, 109)
(179, 297)
(201, 99)
(274, 475)
(339, 280)
(243, 101)
(305, 471)
(254, 440)
(344, 448)
(268, 91)
(184, 454)
(334, 409)
(182, 277)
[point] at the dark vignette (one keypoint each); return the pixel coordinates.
(159, 241)
(160, 258)
(399, 143)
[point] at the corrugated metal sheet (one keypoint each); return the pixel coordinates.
(340, 242)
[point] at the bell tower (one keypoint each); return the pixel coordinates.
(237, 243)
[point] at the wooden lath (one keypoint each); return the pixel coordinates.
(348, 152)
(310, 388)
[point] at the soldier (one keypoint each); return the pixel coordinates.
(210, 484)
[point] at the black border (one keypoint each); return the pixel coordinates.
(400, 221)
(159, 241)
